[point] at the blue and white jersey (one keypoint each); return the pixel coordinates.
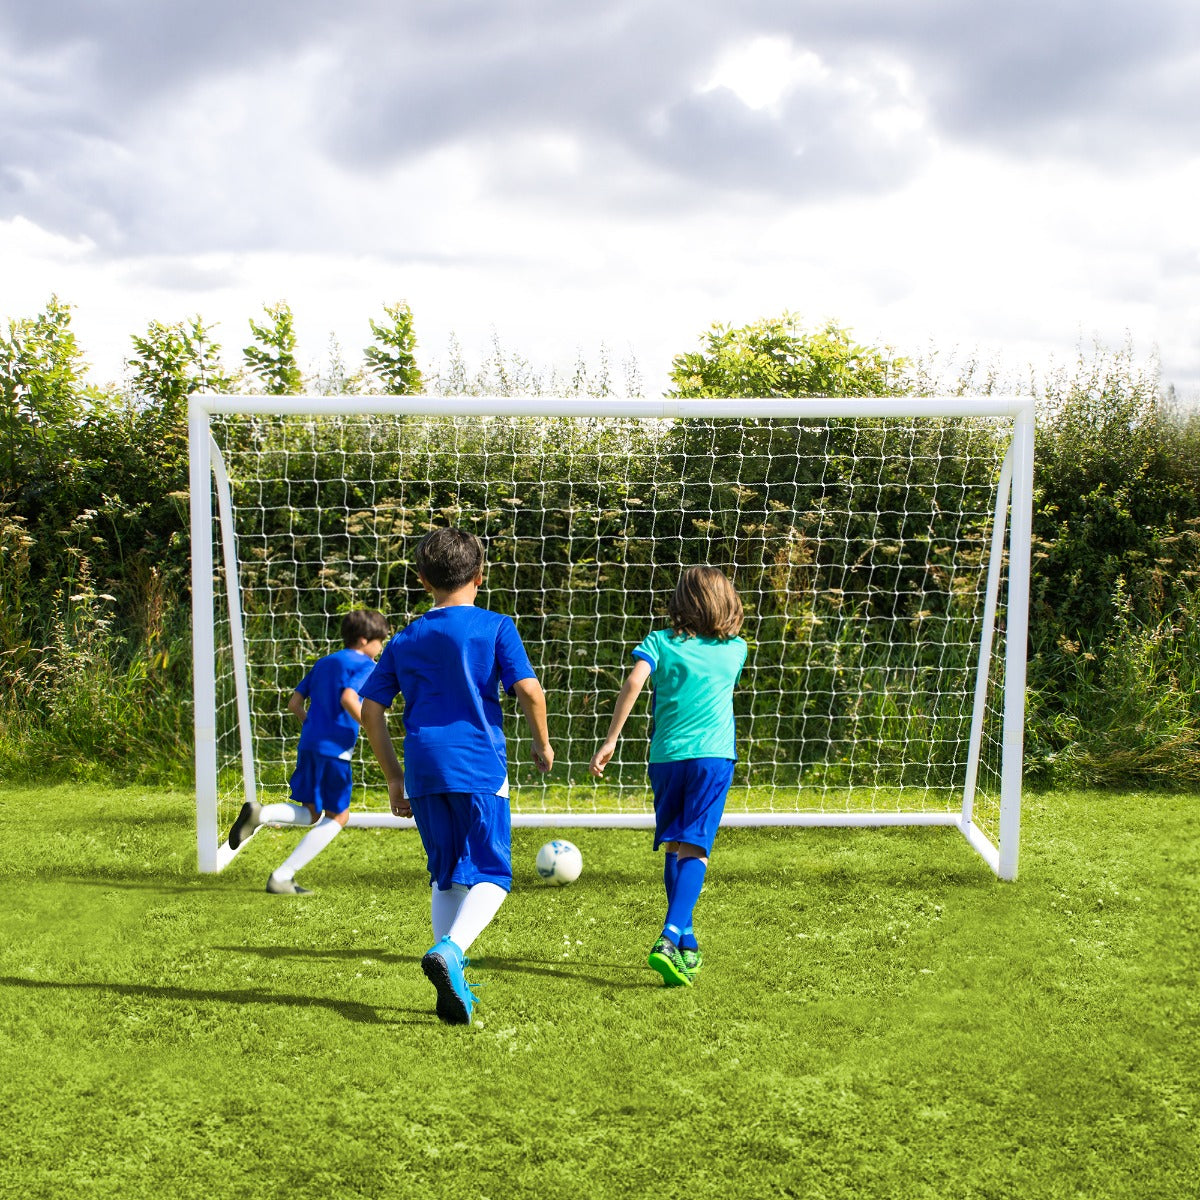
(329, 729)
(449, 665)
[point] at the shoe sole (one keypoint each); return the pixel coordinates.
(672, 975)
(450, 1006)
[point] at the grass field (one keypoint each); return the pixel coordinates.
(877, 1016)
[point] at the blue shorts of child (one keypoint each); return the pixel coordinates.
(689, 799)
(323, 781)
(467, 838)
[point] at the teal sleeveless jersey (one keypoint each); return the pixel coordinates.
(694, 678)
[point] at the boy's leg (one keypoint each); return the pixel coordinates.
(705, 784)
(467, 840)
(304, 785)
(481, 903)
(252, 815)
(668, 957)
(693, 865)
(311, 844)
(670, 867)
(331, 799)
(283, 813)
(441, 821)
(444, 906)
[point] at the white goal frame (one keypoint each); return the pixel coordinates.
(1011, 536)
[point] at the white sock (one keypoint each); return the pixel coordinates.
(284, 814)
(444, 906)
(311, 844)
(478, 907)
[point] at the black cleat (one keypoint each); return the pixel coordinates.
(248, 820)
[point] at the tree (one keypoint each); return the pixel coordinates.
(775, 357)
(392, 359)
(173, 361)
(43, 397)
(272, 362)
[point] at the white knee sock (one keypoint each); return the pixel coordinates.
(311, 844)
(284, 814)
(444, 906)
(478, 907)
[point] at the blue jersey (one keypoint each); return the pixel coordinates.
(450, 664)
(329, 729)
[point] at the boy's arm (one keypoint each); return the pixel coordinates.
(532, 700)
(631, 689)
(352, 704)
(297, 707)
(374, 722)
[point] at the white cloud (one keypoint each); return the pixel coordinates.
(1010, 180)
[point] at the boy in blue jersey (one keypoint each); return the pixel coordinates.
(327, 705)
(695, 665)
(449, 664)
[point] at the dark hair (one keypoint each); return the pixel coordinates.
(705, 604)
(449, 558)
(363, 624)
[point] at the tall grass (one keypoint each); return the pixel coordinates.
(93, 704)
(1131, 711)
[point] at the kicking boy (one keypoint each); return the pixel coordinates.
(326, 703)
(449, 664)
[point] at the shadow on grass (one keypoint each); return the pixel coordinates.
(350, 1010)
(118, 881)
(555, 968)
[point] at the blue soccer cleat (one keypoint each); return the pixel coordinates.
(444, 965)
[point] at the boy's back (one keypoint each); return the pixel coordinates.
(329, 729)
(449, 664)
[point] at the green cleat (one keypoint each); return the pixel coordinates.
(692, 961)
(666, 959)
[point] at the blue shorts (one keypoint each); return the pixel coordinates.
(689, 798)
(467, 838)
(322, 781)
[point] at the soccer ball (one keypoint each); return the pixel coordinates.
(559, 862)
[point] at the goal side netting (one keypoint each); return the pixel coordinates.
(881, 548)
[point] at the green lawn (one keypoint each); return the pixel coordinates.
(877, 1017)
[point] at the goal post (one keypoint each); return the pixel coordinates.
(881, 547)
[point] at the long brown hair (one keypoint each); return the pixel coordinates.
(705, 604)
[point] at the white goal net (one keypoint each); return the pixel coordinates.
(880, 547)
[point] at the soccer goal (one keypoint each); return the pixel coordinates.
(881, 548)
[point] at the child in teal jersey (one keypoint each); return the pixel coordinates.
(695, 665)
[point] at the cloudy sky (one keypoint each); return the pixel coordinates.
(1012, 179)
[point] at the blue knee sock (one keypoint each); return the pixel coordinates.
(670, 872)
(689, 880)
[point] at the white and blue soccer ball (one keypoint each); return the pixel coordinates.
(559, 862)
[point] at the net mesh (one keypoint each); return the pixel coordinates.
(860, 548)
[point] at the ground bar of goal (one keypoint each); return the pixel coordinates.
(645, 820)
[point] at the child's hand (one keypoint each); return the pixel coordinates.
(543, 756)
(396, 799)
(601, 758)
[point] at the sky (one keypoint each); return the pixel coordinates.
(1013, 182)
